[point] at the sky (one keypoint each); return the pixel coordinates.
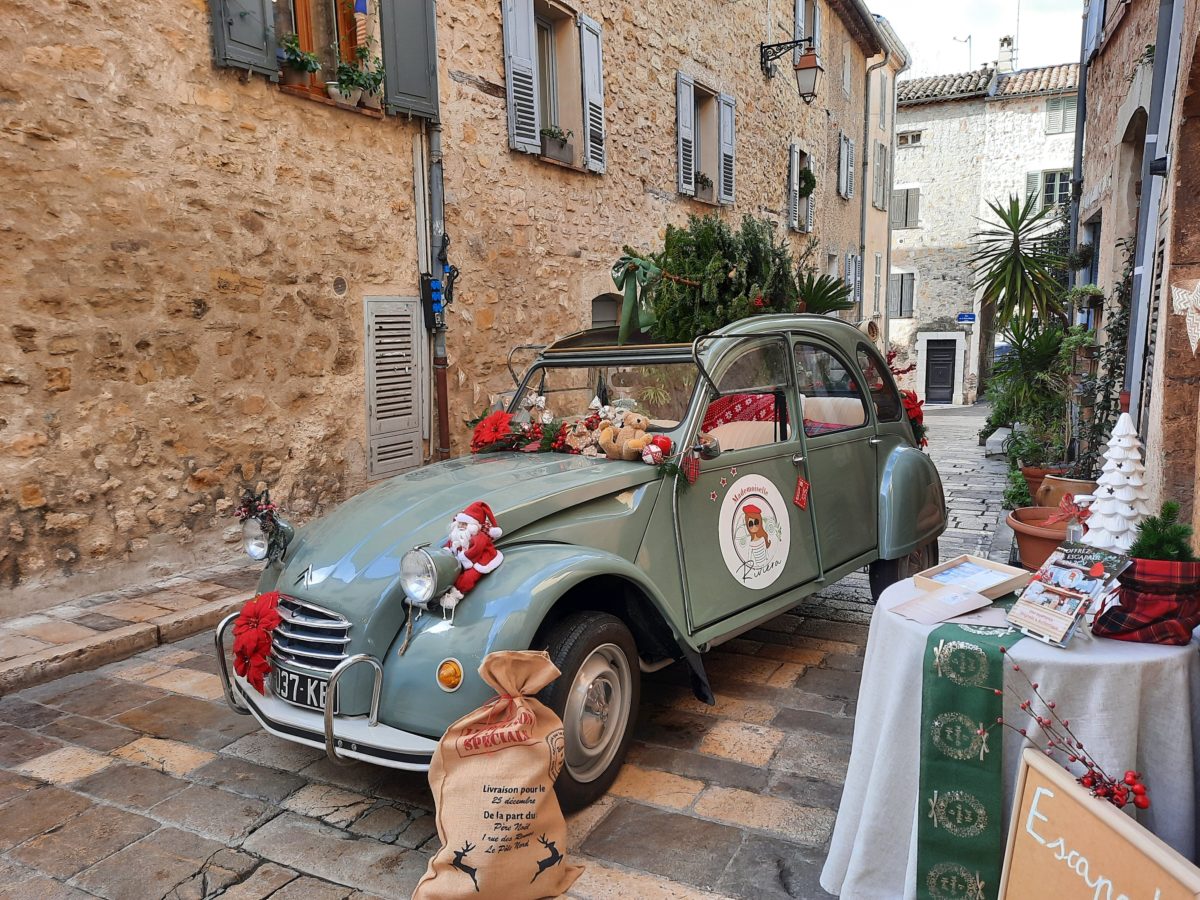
(1048, 31)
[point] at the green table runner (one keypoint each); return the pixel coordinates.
(960, 844)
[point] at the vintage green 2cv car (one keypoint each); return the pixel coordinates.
(802, 468)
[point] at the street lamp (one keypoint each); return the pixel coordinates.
(808, 66)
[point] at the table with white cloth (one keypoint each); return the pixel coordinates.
(1134, 706)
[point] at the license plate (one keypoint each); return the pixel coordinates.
(302, 690)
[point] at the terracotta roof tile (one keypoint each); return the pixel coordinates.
(944, 87)
(1046, 80)
(961, 85)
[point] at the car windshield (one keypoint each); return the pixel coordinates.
(662, 391)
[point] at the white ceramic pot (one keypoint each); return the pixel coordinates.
(372, 101)
(351, 99)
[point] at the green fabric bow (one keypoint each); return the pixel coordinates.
(631, 274)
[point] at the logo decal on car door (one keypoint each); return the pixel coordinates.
(755, 533)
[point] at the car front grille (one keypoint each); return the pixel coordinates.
(309, 636)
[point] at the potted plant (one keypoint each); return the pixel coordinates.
(1037, 537)
(704, 187)
(298, 64)
(555, 145)
(1160, 591)
(373, 75)
(351, 81)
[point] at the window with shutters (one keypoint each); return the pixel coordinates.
(801, 215)
(908, 139)
(394, 385)
(807, 23)
(900, 295)
(845, 173)
(881, 180)
(554, 83)
(705, 141)
(1060, 115)
(397, 34)
(1051, 188)
(906, 208)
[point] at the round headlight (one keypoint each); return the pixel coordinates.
(418, 576)
(254, 539)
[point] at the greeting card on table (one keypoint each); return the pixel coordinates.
(932, 607)
(1063, 589)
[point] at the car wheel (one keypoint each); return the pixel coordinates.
(597, 699)
(886, 572)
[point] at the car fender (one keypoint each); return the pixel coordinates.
(503, 612)
(912, 505)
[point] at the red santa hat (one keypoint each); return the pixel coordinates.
(480, 514)
(751, 510)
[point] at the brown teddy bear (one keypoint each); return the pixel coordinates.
(628, 441)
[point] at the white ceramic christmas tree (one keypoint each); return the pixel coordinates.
(1119, 503)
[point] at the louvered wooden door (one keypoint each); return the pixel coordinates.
(394, 385)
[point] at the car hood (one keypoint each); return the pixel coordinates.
(365, 537)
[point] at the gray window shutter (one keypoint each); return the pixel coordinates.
(850, 169)
(793, 188)
(409, 56)
(912, 208)
(906, 293)
(816, 25)
(592, 62)
(858, 278)
(893, 295)
(1094, 27)
(394, 385)
(898, 215)
(244, 36)
(1033, 188)
(1054, 116)
(521, 77)
(798, 28)
(1069, 109)
(883, 104)
(841, 176)
(848, 272)
(810, 206)
(685, 133)
(726, 143)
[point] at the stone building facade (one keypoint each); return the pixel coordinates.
(200, 258)
(1138, 207)
(964, 140)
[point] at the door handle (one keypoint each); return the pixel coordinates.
(875, 440)
(797, 458)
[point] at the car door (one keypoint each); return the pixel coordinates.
(744, 537)
(842, 448)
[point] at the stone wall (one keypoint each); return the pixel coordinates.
(176, 231)
(169, 320)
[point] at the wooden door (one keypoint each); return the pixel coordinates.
(939, 371)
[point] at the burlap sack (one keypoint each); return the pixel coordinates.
(503, 834)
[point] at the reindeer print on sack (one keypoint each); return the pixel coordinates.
(460, 863)
(549, 862)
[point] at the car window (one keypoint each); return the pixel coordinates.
(883, 393)
(831, 399)
(751, 410)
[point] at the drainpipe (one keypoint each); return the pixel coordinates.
(1077, 163)
(440, 243)
(1158, 134)
(868, 155)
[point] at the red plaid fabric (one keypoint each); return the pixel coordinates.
(739, 408)
(813, 428)
(1159, 604)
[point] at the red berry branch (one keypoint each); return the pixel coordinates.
(1060, 739)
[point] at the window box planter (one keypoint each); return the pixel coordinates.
(351, 99)
(705, 194)
(559, 151)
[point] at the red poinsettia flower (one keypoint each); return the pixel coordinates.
(259, 614)
(491, 430)
(758, 302)
(252, 642)
(254, 669)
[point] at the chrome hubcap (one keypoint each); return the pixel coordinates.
(597, 712)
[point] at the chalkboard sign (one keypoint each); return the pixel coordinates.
(1065, 843)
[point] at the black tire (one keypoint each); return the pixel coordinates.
(886, 572)
(602, 643)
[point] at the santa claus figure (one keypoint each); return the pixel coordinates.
(472, 539)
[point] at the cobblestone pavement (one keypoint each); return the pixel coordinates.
(135, 781)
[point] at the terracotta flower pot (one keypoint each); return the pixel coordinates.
(1034, 475)
(1035, 539)
(1055, 487)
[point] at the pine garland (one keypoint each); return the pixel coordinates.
(1164, 537)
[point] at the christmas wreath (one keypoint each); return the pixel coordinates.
(806, 183)
(252, 639)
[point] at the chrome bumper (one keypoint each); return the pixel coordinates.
(344, 738)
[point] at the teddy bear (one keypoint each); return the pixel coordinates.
(629, 440)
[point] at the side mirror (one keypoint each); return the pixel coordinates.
(707, 446)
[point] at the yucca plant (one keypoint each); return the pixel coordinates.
(1016, 264)
(821, 294)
